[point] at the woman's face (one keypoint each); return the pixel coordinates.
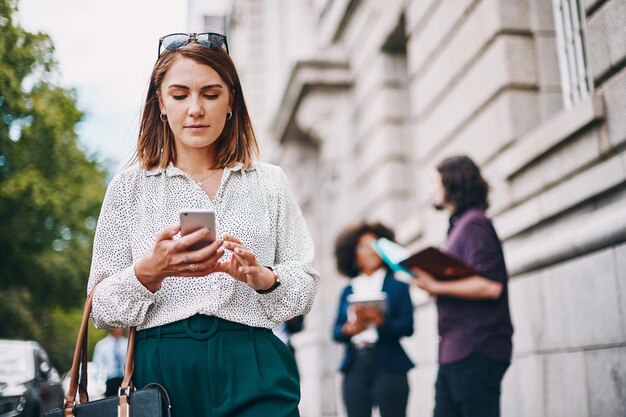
(195, 100)
(367, 260)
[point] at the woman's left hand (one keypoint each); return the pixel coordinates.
(244, 267)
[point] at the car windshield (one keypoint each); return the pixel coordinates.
(16, 362)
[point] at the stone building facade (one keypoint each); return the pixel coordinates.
(359, 99)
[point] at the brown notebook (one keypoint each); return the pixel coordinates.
(440, 265)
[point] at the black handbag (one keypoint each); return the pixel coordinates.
(150, 401)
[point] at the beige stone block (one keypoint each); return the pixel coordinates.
(566, 389)
(437, 76)
(352, 32)
(409, 229)
(507, 117)
(551, 169)
(499, 195)
(508, 61)
(587, 184)
(388, 210)
(386, 71)
(358, 37)
(581, 304)
(514, 14)
(564, 195)
(567, 236)
(389, 104)
(390, 176)
(523, 387)
(518, 218)
(423, 43)
(386, 142)
(527, 313)
(547, 61)
(434, 227)
(386, 184)
(541, 15)
(606, 381)
(620, 261)
(549, 135)
(510, 398)
(415, 12)
(615, 99)
(486, 20)
(598, 44)
(550, 102)
(615, 24)
(422, 390)
(425, 341)
(382, 18)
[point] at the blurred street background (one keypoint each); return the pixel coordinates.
(357, 100)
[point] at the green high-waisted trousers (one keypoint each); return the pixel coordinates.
(217, 368)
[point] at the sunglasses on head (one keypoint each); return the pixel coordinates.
(174, 41)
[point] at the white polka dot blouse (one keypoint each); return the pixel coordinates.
(255, 205)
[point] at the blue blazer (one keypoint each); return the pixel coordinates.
(398, 323)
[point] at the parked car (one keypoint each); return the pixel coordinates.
(29, 385)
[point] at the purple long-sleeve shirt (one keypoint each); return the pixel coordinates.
(475, 326)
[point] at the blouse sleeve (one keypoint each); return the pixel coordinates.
(120, 300)
(293, 260)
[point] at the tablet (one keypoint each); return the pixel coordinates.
(378, 300)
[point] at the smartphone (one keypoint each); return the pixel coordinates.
(195, 219)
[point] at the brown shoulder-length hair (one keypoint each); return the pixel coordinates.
(237, 142)
(465, 186)
(345, 245)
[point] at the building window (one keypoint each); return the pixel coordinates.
(569, 22)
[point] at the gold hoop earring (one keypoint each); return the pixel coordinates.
(229, 115)
(163, 117)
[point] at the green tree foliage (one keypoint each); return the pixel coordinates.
(63, 335)
(50, 194)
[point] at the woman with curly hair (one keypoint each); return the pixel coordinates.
(375, 366)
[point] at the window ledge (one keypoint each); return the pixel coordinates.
(549, 134)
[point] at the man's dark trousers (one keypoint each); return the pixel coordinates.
(469, 387)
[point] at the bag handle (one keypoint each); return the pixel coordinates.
(79, 361)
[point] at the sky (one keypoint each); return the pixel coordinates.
(105, 51)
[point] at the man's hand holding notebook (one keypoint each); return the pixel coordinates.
(435, 262)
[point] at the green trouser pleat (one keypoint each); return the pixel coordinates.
(237, 371)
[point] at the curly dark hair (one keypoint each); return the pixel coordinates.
(345, 245)
(465, 187)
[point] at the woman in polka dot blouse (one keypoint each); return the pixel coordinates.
(204, 316)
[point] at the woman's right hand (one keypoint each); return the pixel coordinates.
(369, 315)
(350, 329)
(172, 257)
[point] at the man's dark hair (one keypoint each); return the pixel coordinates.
(345, 245)
(465, 187)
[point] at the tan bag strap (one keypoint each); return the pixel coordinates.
(80, 362)
(80, 356)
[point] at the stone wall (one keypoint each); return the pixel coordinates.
(364, 97)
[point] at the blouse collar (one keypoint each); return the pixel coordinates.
(172, 171)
